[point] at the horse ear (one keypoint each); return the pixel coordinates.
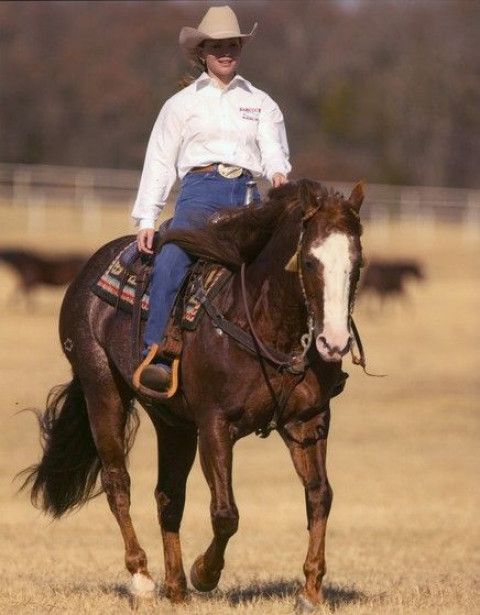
(356, 198)
(308, 197)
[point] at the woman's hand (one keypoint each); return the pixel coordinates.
(278, 179)
(145, 240)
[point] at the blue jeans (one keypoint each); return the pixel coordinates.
(201, 195)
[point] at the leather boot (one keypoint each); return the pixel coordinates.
(156, 376)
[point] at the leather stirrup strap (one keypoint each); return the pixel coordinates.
(140, 286)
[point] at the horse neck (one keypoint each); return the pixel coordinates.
(276, 300)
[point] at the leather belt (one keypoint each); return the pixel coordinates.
(225, 170)
(207, 169)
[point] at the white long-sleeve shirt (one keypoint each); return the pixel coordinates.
(203, 124)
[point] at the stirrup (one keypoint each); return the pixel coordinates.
(172, 389)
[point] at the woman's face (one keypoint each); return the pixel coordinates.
(221, 57)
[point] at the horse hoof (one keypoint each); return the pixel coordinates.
(143, 590)
(176, 595)
(198, 577)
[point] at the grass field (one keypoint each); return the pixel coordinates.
(404, 459)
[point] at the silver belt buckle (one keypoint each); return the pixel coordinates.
(229, 171)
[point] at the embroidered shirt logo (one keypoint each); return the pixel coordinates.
(250, 113)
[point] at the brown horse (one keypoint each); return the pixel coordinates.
(34, 270)
(294, 296)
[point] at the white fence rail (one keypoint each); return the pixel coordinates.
(37, 185)
(19, 183)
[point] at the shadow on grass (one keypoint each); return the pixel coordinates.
(118, 589)
(267, 590)
(335, 597)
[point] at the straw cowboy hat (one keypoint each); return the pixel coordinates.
(219, 22)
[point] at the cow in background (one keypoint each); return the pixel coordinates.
(34, 270)
(387, 279)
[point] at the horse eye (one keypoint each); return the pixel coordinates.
(309, 265)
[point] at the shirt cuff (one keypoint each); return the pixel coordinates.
(146, 223)
(270, 176)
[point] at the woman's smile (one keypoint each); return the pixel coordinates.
(221, 58)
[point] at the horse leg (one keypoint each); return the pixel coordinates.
(307, 444)
(176, 454)
(215, 449)
(107, 409)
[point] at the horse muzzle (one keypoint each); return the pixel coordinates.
(334, 347)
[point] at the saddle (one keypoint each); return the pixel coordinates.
(125, 285)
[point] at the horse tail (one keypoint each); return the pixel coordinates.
(66, 476)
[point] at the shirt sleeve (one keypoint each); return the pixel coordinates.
(159, 172)
(272, 140)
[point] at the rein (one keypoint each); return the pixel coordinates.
(281, 360)
(294, 365)
(297, 363)
(361, 359)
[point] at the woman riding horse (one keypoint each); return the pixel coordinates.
(217, 134)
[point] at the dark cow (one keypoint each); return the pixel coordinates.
(387, 278)
(34, 270)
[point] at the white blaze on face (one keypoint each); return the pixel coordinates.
(333, 253)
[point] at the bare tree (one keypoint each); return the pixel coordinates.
(385, 91)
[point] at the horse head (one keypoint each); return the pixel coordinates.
(329, 257)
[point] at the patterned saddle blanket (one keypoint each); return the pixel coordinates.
(117, 285)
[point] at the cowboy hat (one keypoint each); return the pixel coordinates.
(219, 22)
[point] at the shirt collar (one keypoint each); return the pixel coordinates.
(238, 81)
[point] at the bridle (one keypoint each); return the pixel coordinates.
(294, 265)
(295, 365)
(292, 366)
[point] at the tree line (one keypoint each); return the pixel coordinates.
(384, 91)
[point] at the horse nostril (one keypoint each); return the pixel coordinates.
(334, 350)
(324, 342)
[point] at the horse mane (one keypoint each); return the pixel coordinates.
(236, 235)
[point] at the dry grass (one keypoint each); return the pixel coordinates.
(404, 457)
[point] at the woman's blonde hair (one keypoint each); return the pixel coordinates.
(197, 67)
